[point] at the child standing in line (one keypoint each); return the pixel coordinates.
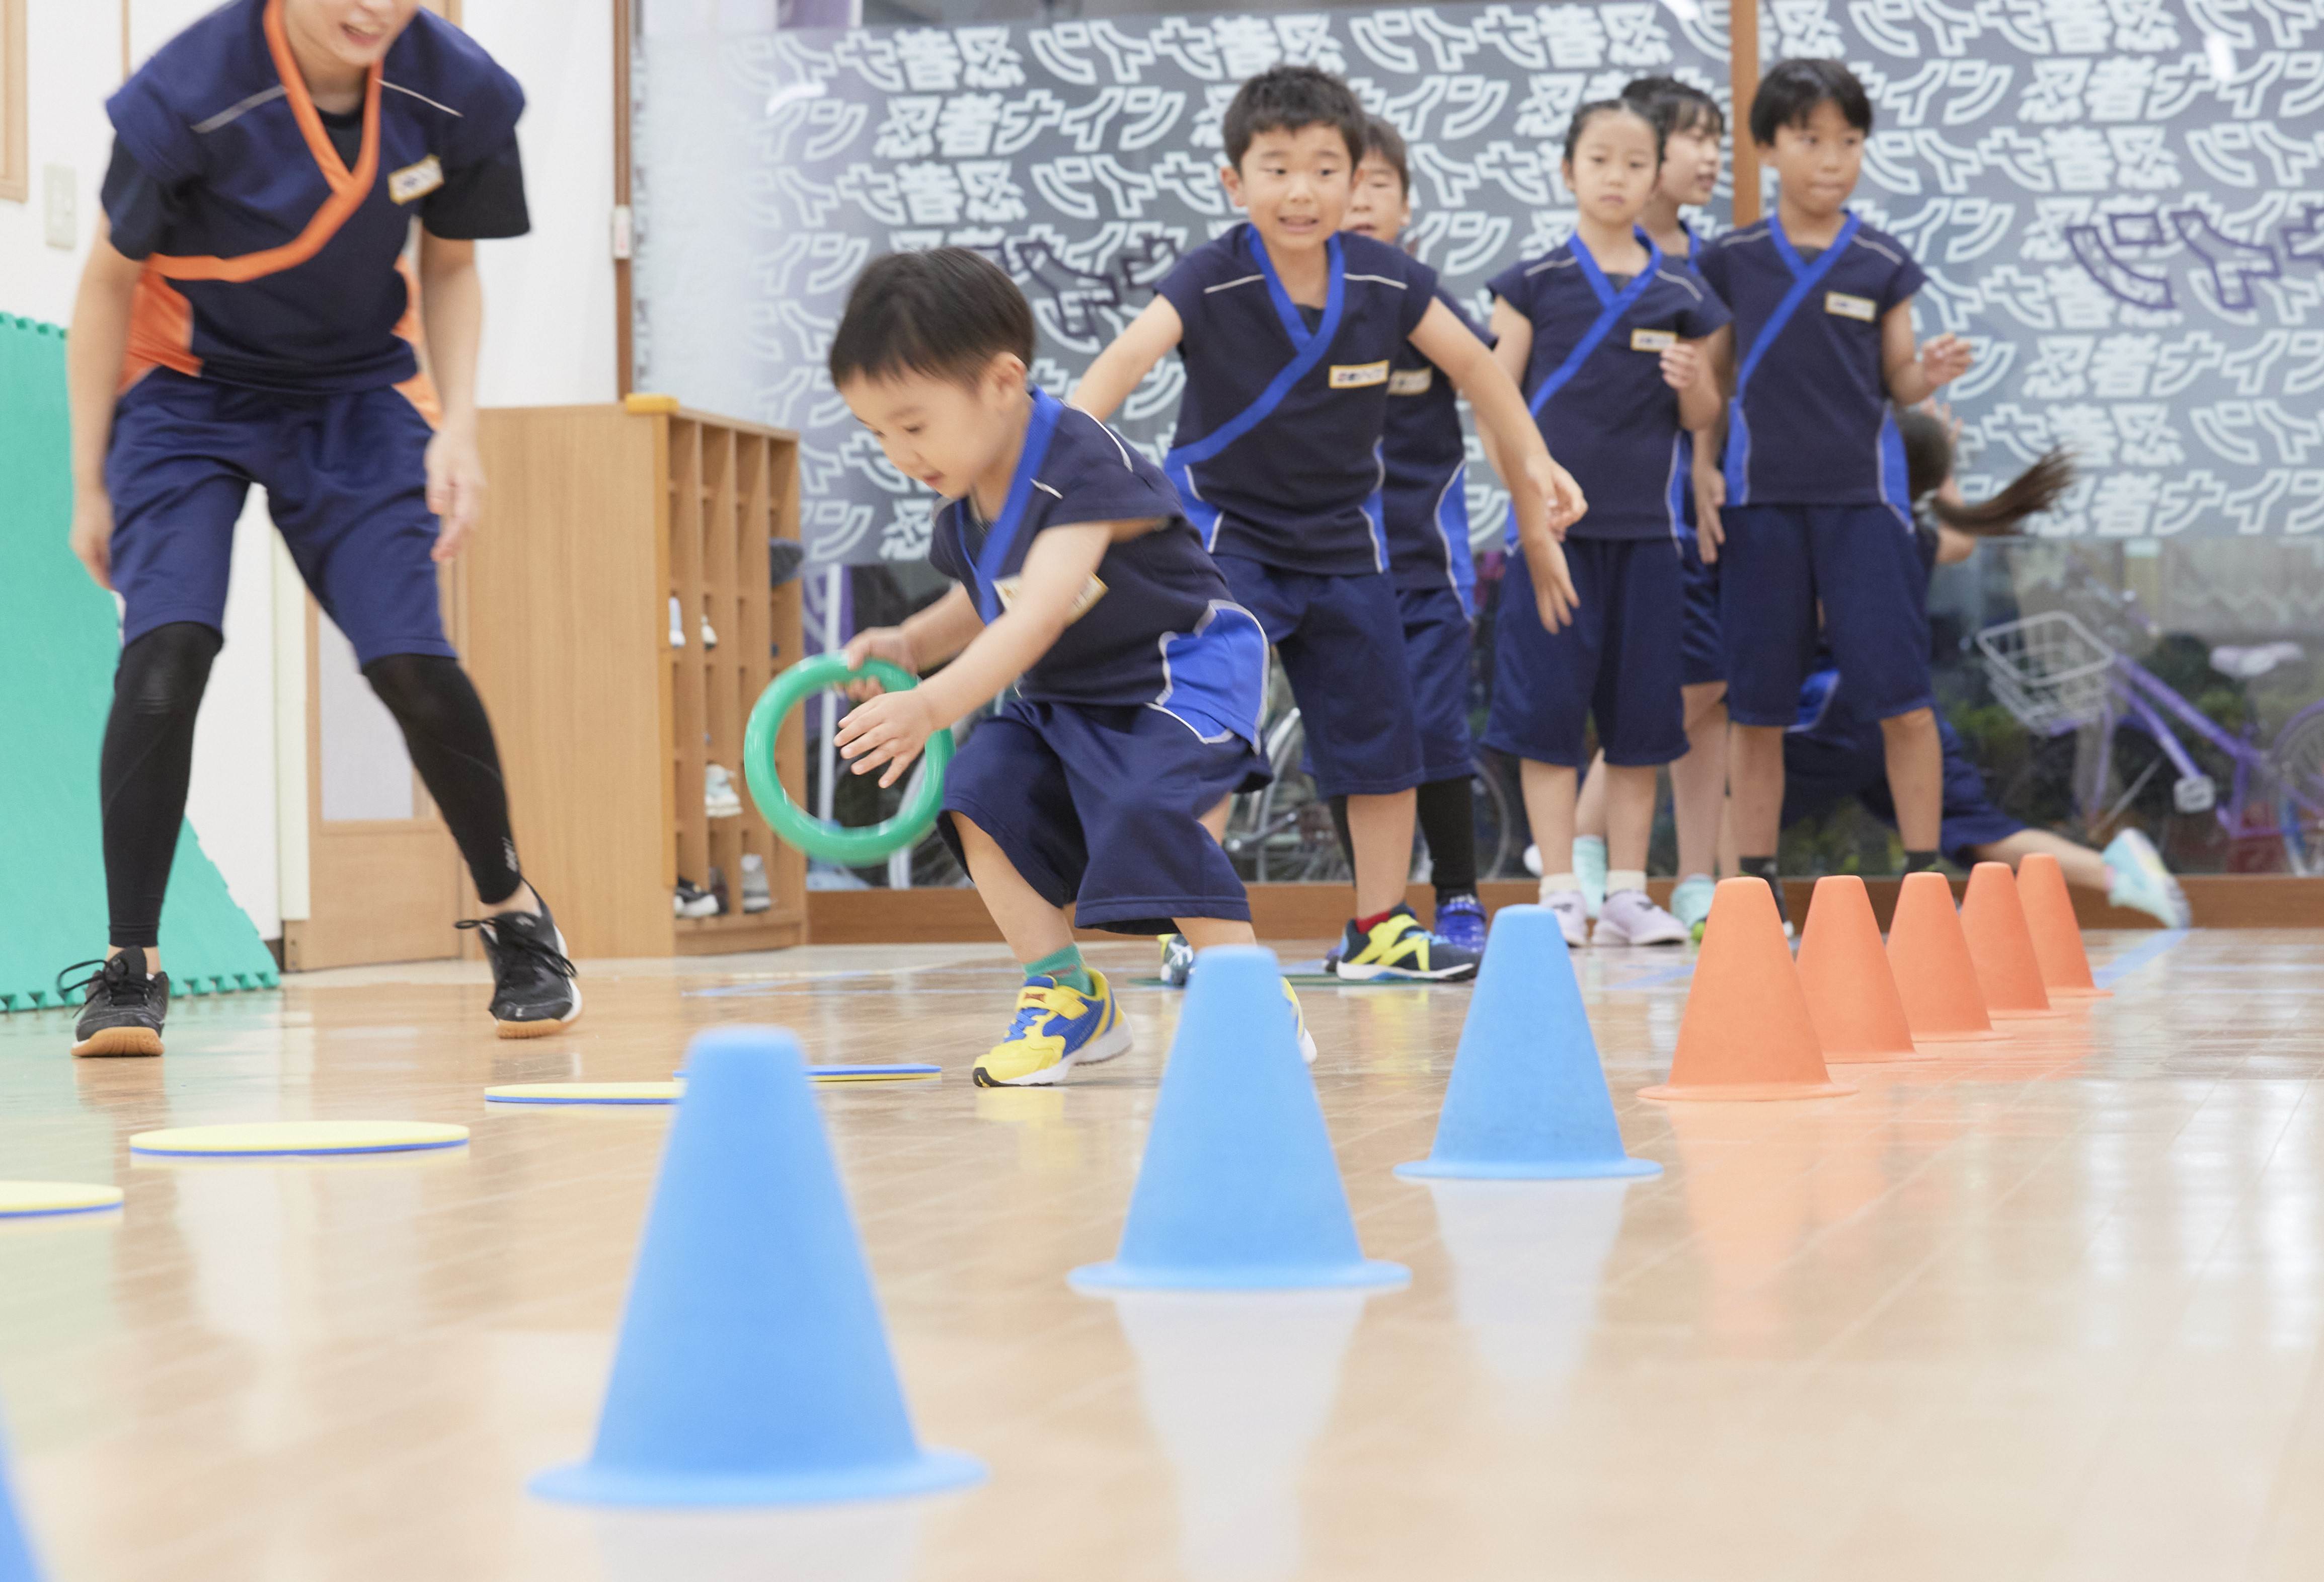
(1812, 509)
(1289, 330)
(246, 317)
(1140, 682)
(1608, 338)
(1694, 130)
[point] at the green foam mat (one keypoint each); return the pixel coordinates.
(60, 637)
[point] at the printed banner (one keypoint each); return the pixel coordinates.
(2117, 200)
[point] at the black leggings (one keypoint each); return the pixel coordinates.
(149, 759)
(1447, 814)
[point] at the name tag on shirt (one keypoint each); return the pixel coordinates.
(1653, 340)
(1356, 375)
(1411, 382)
(1849, 307)
(1091, 591)
(415, 180)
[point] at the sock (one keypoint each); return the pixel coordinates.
(1764, 868)
(1558, 884)
(1365, 925)
(1620, 879)
(1920, 861)
(1065, 967)
(1589, 850)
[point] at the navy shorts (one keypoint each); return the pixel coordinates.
(1819, 773)
(1617, 660)
(1340, 640)
(345, 479)
(1860, 563)
(1437, 651)
(1700, 660)
(1101, 809)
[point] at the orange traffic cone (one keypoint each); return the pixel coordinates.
(1930, 959)
(1747, 1033)
(2057, 936)
(1851, 994)
(2002, 947)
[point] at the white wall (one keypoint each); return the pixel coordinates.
(549, 340)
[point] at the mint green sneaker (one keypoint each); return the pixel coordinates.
(2142, 883)
(1589, 867)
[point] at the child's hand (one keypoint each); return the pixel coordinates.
(1682, 364)
(1710, 496)
(1945, 359)
(890, 729)
(1553, 587)
(887, 642)
(1556, 486)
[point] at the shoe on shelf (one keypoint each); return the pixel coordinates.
(1631, 918)
(1299, 1018)
(122, 1009)
(709, 637)
(1460, 922)
(1573, 917)
(784, 558)
(758, 896)
(718, 890)
(1589, 867)
(719, 799)
(1177, 960)
(533, 991)
(1056, 1028)
(692, 900)
(677, 623)
(1398, 947)
(1690, 902)
(2142, 883)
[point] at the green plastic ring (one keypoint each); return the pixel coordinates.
(850, 847)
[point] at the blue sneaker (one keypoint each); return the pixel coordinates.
(1058, 1027)
(1589, 867)
(2142, 883)
(1460, 922)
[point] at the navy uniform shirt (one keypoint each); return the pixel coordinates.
(1811, 425)
(272, 238)
(1299, 488)
(1614, 423)
(1425, 501)
(1156, 628)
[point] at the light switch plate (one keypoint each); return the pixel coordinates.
(60, 206)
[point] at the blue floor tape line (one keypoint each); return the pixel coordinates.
(2122, 966)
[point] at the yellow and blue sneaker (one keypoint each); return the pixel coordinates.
(1398, 947)
(1299, 1018)
(1058, 1027)
(1177, 961)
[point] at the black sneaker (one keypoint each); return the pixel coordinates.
(124, 1011)
(533, 991)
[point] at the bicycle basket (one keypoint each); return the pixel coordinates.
(2048, 670)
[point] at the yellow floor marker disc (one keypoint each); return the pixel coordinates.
(269, 1138)
(29, 1200)
(586, 1092)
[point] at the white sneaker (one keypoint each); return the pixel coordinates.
(1632, 919)
(1589, 867)
(1573, 917)
(677, 623)
(692, 901)
(709, 636)
(758, 896)
(2143, 884)
(718, 797)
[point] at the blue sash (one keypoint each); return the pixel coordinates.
(1610, 310)
(1805, 278)
(998, 538)
(1308, 347)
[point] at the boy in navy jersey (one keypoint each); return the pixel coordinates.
(246, 317)
(1815, 510)
(1289, 330)
(1140, 680)
(1607, 336)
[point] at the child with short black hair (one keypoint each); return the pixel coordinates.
(1811, 513)
(1614, 344)
(1289, 330)
(1104, 784)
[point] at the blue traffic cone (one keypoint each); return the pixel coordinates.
(16, 1562)
(1527, 1100)
(1239, 1189)
(752, 1367)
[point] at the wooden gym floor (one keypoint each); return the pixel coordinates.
(2052, 1313)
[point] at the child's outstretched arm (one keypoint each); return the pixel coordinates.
(1122, 367)
(1544, 494)
(893, 727)
(1914, 373)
